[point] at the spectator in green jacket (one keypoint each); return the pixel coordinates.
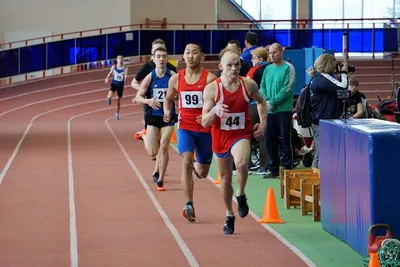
(277, 86)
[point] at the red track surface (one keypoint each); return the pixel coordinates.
(70, 170)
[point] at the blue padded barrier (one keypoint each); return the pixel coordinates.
(372, 177)
(333, 183)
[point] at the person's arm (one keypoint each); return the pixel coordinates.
(126, 74)
(360, 111)
(209, 113)
(140, 75)
(263, 84)
(333, 84)
(172, 92)
(108, 75)
(152, 102)
(360, 108)
(287, 88)
(255, 94)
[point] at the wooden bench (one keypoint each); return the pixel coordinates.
(293, 188)
(283, 173)
(310, 197)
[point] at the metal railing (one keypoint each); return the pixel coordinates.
(55, 54)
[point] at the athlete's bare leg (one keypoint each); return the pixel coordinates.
(118, 104)
(109, 96)
(240, 152)
(201, 170)
(157, 166)
(187, 175)
(163, 156)
(152, 140)
(224, 166)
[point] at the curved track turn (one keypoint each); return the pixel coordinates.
(76, 189)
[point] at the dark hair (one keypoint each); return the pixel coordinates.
(251, 38)
(196, 44)
(234, 41)
(354, 81)
(161, 49)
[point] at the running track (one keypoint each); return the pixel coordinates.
(76, 189)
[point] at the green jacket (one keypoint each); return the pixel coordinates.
(277, 85)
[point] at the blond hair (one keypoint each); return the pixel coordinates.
(260, 52)
(325, 63)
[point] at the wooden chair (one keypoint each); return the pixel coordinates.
(292, 188)
(283, 173)
(310, 197)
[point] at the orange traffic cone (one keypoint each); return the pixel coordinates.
(218, 180)
(270, 214)
(174, 139)
(373, 260)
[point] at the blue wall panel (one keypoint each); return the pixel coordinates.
(133, 43)
(9, 62)
(33, 58)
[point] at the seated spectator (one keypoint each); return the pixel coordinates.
(354, 104)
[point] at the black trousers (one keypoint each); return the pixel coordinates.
(279, 135)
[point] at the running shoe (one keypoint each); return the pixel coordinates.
(189, 213)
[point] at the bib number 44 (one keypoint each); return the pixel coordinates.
(235, 121)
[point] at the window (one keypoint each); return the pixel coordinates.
(377, 9)
(324, 10)
(253, 8)
(353, 10)
(270, 10)
(365, 9)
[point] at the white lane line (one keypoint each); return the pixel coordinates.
(15, 152)
(71, 188)
(63, 75)
(295, 250)
(57, 87)
(64, 86)
(178, 238)
(57, 98)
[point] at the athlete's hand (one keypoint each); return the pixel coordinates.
(106, 80)
(167, 116)
(134, 100)
(222, 111)
(153, 103)
(198, 119)
(259, 131)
